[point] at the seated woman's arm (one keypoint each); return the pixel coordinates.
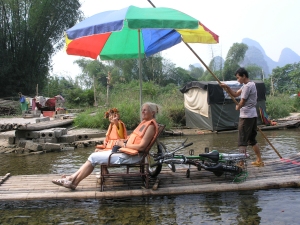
(148, 136)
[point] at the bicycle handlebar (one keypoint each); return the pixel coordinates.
(171, 153)
(189, 144)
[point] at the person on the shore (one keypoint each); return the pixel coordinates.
(137, 141)
(247, 128)
(23, 102)
(115, 131)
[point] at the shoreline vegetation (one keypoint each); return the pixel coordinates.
(125, 97)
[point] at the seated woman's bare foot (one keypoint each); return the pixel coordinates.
(65, 183)
(67, 177)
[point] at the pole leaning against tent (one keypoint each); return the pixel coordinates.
(217, 79)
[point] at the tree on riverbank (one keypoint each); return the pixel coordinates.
(30, 33)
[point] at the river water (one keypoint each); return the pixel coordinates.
(279, 206)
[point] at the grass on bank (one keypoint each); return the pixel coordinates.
(125, 97)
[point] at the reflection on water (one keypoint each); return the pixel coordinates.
(255, 207)
(248, 207)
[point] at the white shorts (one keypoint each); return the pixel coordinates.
(98, 158)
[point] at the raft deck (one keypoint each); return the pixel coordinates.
(282, 173)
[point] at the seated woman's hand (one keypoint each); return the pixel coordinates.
(120, 143)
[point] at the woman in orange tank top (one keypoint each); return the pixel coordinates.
(115, 131)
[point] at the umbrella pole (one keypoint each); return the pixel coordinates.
(203, 63)
(140, 71)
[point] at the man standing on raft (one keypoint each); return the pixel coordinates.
(247, 128)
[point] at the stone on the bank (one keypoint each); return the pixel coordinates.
(33, 146)
(32, 134)
(42, 119)
(65, 148)
(21, 142)
(9, 151)
(11, 140)
(19, 150)
(47, 134)
(51, 147)
(81, 137)
(51, 140)
(79, 145)
(20, 133)
(18, 140)
(60, 132)
(67, 138)
(40, 140)
(35, 153)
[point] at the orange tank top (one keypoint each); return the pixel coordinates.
(112, 135)
(138, 134)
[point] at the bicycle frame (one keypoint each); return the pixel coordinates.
(218, 163)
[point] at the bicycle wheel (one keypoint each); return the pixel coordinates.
(155, 168)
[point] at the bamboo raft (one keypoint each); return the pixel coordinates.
(282, 173)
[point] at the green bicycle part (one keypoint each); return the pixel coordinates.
(241, 177)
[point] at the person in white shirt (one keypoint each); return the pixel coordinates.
(247, 128)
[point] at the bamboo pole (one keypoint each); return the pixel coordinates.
(4, 178)
(208, 69)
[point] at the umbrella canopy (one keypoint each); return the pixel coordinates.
(114, 34)
(134, 32)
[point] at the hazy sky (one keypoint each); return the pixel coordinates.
(272, 23)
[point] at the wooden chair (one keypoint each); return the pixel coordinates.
(143, 165)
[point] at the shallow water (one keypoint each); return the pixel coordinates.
(248, 207)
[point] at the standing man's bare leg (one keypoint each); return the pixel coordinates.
(258, 161)
(257, 153)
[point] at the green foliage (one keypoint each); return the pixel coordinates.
(78, 98)
(57, 85)
(234, 56)
(196, 72)
(92, 71)
(129, 113)
(279, 106)
(296, 103)
(31, 32)
(286, 79)
(255, 72)
(172, 104)
(268, 86)
(216, 66)
(88, 119)
(169, 98)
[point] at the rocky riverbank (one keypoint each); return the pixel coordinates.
(54, 139)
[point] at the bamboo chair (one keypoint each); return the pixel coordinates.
(143, 165)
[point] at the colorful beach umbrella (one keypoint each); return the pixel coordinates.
(114, 35)
(134, 32)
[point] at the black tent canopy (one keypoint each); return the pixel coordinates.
(208, 106)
